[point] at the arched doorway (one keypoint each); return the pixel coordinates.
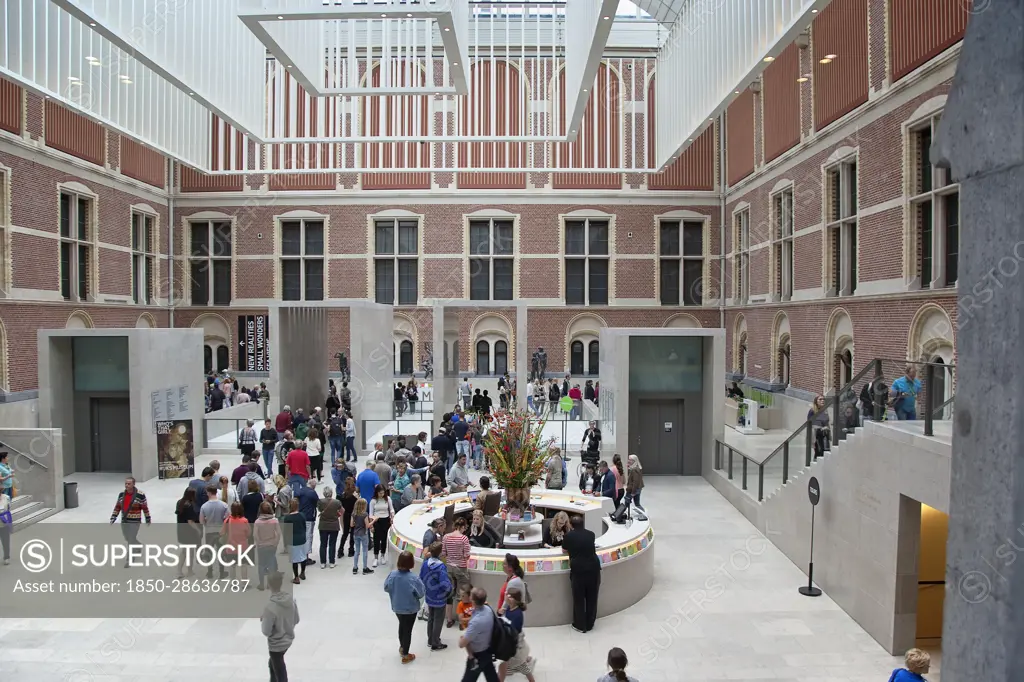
(576, 358)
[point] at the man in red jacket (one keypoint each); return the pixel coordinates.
(577, 402)
(283, 422)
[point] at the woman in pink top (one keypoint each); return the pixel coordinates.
(236, 537)
(620, 478)
(266, 536)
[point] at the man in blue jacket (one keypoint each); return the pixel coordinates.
(308, 499)
(607, 480)
(367, 481)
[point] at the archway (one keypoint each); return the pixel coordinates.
(682, 321)
(780, 349)
(145, 321)
(492, 338)
(404, 336)
(216, 341)
(582, 337)
(839, 351)
(79, 320)
(931, 339)
(739, 345)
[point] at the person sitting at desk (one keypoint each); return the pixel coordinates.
(485, 492)
(554, 533)
(434, 533)
(481, 534)
(413, 493)
(436, 488)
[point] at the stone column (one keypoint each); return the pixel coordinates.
(982, 139)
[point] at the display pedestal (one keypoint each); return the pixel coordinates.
(750, 426)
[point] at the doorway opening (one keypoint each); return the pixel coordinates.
(931, 577)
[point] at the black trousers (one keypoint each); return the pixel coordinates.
(585, 587)
(380, 535)
(480, 664)
(346, 534)
(406, 621)
(278, 672)
(328, 541)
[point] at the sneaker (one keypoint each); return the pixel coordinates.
(582, 632)
(367, 571)
(408, 658)
(374, 564)
(323, 566)
(302, 575)
(296, 581)
(351, 552)
(439, 647)
(333, 564)
(355, 571)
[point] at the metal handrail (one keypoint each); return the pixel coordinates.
(719, 444)
(26, 456)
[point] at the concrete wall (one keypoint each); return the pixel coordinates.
(20, 414)
(372, 359)
(159, 360)
(35, 457)
(867, 525)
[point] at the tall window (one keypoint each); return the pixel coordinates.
(681, 248)
(223, 361)
(594, 352)
(302, 260)
(143, 257)
(500, 357)
(782, 244)
(405, 367)
(483, 358)
(396, 249)
(586, 262)
(75, 246)
(742, 241)
(490, 260)
(5, 221)
(935, 210)
(784, 354)
(576, 358)
(841, 230)
(210, 262)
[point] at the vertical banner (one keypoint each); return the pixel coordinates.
(175, 449)
(253, 343)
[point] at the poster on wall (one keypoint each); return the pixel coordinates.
(175, 449)
(253, 343)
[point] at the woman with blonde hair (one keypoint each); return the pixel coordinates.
(282, 503)
(818, 417)
(554, 534)
(634, 481)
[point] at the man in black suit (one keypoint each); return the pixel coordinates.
(584, 574)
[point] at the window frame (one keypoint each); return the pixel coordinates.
(146, 257)
(783, 228)
(76, 243)
(490, 257)
(841, 229)
(682, 258)
(587, 258)
(5, 232)
(936, 198)
(741, 262)
(211, 259)
(303, 258)
(395, 257)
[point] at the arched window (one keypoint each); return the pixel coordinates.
(576, 358)
(500, 358)
(207, 359)
(483, 358)
(784, 364)
(405, 358)
(595, 357)
(223, 362)
(743, 354)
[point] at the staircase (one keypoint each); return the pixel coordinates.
(27, 511)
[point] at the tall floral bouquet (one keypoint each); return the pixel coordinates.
(515, 449)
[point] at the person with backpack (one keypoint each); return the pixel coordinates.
(336, 436)
(522, 663)
(437, 584)
(479, 638)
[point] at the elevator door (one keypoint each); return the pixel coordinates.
(661, 436)
(110, 420)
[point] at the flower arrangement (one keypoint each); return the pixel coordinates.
(515, 449)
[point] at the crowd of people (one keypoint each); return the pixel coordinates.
(277, 501)
(223, 391)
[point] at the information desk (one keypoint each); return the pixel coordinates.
(625, 551)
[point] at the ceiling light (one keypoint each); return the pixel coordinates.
(455, 63)
(802, 79)
(769, 59)
(814, 11)
(92, 23)
(91, 58)
(126, 81)
(737, 92)
(191, 94)
(409, 14)
(574, 132)
(446, 28)
(607, 18)
(383, 16)
(287, 66)
(584, 89)
(826, 60)
(280, 16)
(74, 79)
(830, 56)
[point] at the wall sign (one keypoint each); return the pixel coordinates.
(668, 427)
(814, 491)
(253, 343)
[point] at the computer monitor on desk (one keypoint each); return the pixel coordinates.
(449, 518)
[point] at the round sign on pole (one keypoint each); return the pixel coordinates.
(814, 491)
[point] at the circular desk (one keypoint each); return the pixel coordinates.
(625, 551)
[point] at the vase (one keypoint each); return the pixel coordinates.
(518, 498)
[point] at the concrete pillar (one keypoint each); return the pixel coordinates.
(982, 139)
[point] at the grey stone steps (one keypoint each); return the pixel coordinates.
(30, 513)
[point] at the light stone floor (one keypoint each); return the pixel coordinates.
(724, 607)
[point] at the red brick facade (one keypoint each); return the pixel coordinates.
(765, 152)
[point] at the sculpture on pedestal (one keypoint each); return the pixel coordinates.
(428, 360)
(343, 366)
(540, 363)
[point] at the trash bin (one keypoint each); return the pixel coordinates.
(70, 495)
